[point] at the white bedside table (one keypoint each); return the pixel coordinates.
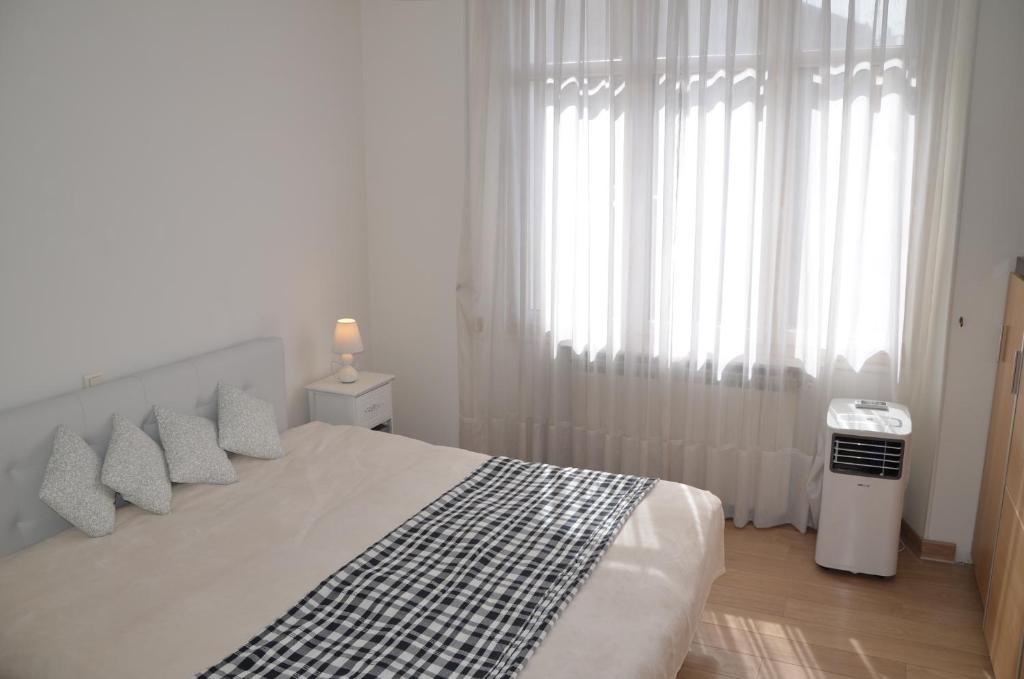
(364, 403)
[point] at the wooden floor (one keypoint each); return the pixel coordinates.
(776, 615)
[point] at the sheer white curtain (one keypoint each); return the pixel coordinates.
(691, 224)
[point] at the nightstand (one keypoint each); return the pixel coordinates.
(364, 403)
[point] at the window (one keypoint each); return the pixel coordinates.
(716, 183)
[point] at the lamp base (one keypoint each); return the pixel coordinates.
(347, 372)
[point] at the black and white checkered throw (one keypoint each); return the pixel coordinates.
(468, 587)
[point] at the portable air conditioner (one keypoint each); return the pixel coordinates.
(864, 482)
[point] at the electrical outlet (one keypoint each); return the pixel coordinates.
(92, 380)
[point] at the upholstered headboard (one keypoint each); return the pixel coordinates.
(189, 386)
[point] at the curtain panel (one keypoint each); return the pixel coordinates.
(692, 224)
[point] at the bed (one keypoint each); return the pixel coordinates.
(172, 595)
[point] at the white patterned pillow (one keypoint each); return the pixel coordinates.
(72, 488)
(246, 425)
(190, 445)
(135, 468)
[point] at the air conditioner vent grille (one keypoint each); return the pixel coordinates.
(863, 456)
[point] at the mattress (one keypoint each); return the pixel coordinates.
(168, 596)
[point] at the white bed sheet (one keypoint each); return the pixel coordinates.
(168, 596)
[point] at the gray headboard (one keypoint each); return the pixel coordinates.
(189, 386)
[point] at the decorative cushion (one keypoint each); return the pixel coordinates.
(135, 468)
(72, 488)
(246, 425)
(190, 446)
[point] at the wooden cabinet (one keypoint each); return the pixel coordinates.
(1001, 424)
(998, 548)
(1004, 616)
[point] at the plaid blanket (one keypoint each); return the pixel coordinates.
(468, 587)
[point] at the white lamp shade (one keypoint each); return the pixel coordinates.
(346, 337)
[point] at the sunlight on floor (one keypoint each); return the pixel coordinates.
(775, 614)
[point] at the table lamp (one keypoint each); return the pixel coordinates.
(347, 342)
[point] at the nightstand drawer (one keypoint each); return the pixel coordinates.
(363, 403)
(374, 407)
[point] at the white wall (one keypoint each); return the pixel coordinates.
(175, 177)
(991, 236)
(414, 88)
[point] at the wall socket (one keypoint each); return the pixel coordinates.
(92, 380)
